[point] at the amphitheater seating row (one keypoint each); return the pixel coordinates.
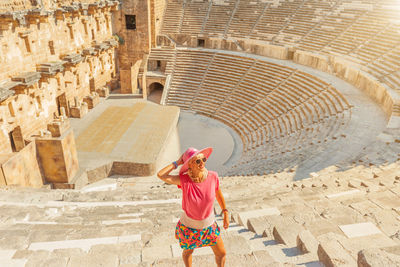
(262, 101)
(365, 31)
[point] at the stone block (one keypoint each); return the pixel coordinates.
(102, 185)
(58, 157)
(349, 193)
(244, 216)
(27, 78)
(313, 60)
(365, 207)
(103, 92)
(359, 229)
(2, 179)
(98, 173)
(263, 257)
(80, 111)
(92, 100)
(332, 254)
(92, 260)
(236, 244)
(392, 249)
(128, 253)
(286, 233)
(256, 225)
(377, 257)
(270, 222)
(151, 254)
(132, 168)
(355, 244)
(55, 261)
(306, 242)
(58, 127)
(82, 244)
(22, 168)
(62, 186)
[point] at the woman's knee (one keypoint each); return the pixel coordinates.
(221, 253)
(187, 252)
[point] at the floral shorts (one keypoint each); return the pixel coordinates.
(190, 238)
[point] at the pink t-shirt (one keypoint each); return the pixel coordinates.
(198, 198)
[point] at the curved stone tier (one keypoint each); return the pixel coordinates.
(362, 34)
(279, 109)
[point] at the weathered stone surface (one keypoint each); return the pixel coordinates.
(306, 242)
(92, 100)
(256, 225)
(95, 259)
(359, 229)
(287, 232)
(152, 254)
(79, 112)
(331, 254)
(244, 216)
(58, 157)
(377, 257)
(41, 85)
(22, 168)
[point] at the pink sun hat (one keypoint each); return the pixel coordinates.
(190, 153)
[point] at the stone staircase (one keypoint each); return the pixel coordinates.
(275, 221)
(111, 233)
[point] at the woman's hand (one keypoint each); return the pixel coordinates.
(180, 160)
(226, 220)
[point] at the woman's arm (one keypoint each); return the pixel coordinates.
(163, 174)
(221, 202)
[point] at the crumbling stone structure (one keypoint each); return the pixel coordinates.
(56, 58)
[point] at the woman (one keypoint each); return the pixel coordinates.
(197, 226)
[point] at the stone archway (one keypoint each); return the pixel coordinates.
(155, 92)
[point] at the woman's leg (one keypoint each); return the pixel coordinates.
(220, 252)
(187, 257)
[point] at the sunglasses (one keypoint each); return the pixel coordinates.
(199, 160)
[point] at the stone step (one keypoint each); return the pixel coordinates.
(14, 263)
(258, 258)
(306, 242)
(377, 257)
(84, 244)
(286, 233)
(244, 216)
(331, 252)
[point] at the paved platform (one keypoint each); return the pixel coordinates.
(200, 131)
(124, 137)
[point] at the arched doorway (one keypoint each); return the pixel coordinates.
(155, 92)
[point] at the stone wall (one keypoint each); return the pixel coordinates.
(54, 55)
(67, 54)
(42, 37)
(242, 45)
(14, 5)
(157, 14)
(135, 42)
(21, 168)
(351, 72)
(23, 5)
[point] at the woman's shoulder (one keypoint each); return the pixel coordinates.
(184, 175)
(213, 173)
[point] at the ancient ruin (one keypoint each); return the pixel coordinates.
(298, 98)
